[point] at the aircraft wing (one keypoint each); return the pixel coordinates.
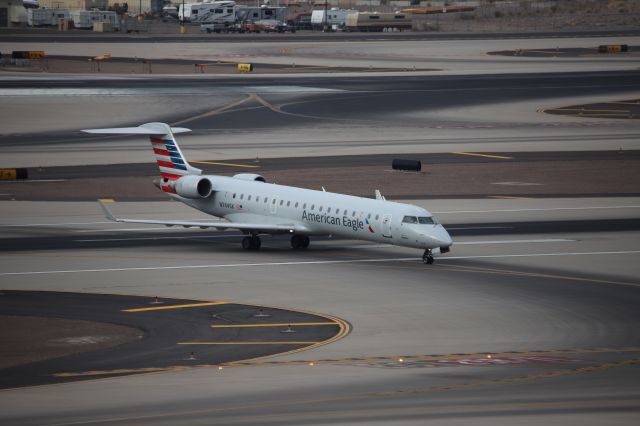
(220, 225)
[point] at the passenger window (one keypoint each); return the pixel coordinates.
(266, 199)
(337, 211)
(377, 216)
(353, 213)
(369, 216)
(288, 203)
(281, 202)
(249, 198)
(304, 206)
(242, 196)
(296, 204)
(313, 206)
(329, 210)
(320, 209)
(274, 201)
(234, 195)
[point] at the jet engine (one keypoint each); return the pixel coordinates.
(250, 176)
(192, 186)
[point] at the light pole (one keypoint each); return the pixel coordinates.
(182, 29)
(325, 27)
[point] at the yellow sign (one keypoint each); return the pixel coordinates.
(102, 57)
(613, 48)
(245, 67)
(8, 174)
(36, 54)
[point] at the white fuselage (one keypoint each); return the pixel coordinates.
(313, 212)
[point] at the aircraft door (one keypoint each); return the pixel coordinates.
(386, 225)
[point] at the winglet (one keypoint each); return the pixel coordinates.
(379, 195)
(106, 211)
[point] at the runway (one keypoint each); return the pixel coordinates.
(347, 116)
(532, 317)
(569, 292)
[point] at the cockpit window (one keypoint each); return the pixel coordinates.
(427, 220)
(410, 219)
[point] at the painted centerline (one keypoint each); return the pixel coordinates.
(161, 308)
(248, 343)
(314, 262)
(475, 154)
(293, 324)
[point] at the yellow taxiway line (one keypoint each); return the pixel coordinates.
(159, 308)
(248, 343)
(291, 324)
(475, 154)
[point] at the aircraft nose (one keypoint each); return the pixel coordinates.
(443, 237)
(437, 237)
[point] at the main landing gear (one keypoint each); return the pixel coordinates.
(251, 243)
(427, 257)
(299, 242)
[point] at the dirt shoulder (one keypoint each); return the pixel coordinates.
(27, 339)
(535, 178)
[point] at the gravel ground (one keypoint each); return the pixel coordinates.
(548, 178)
(24, 340)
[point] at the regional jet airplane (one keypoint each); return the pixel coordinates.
(247, 203)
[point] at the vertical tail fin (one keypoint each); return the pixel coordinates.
(171, 161)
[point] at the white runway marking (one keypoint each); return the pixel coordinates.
(478, 227)
(311, 262)
(551, 240)
(539, 210)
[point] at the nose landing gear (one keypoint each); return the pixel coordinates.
(427, 257)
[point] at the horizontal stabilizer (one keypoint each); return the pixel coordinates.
(145, 129)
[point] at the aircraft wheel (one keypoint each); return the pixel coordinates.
(427, 258)
(255, 242)
(299, 242)
(246, 243)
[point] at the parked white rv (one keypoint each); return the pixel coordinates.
(45, 17)
(86, 18)
(255, 14)
(215, 11)
(336, 18)
(367, 21)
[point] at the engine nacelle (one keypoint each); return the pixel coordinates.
(250, 176)
(192, 186)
